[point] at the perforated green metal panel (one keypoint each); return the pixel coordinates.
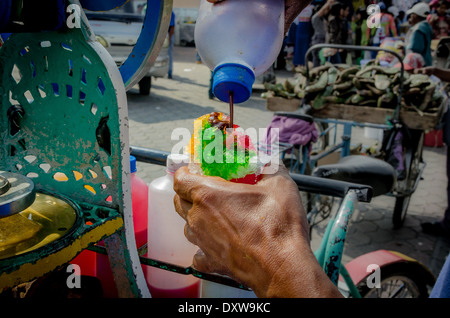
(63, 124)
(66, 139)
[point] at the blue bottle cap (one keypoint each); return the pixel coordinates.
(133, 164)
(233, 78)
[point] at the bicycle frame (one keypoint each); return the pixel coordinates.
(329, 254)
(345, 145)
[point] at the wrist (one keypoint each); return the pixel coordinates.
(299, 275)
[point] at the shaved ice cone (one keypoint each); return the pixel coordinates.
(218, 150)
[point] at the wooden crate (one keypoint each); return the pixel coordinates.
(282, 104)
(374, 115)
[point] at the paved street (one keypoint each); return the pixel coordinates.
(177, 102)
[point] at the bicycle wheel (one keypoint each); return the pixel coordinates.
(399, 280)
(405, 186)
(400, 209)
(318, 208)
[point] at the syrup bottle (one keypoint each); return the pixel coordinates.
(238, 40)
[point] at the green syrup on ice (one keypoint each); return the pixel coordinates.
(219, 160)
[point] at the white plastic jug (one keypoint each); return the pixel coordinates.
(166, 240)
(215, 290)
(239, 40)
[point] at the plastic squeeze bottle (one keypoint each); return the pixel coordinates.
(97, 265)
(238, 40)
(166, 240)
(139, 202)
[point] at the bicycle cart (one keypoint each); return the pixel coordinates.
(412, 123)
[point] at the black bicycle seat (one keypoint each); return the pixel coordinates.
(361, 169)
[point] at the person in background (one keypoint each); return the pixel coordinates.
(439, 19)
(319, 26)
(393, 10)
(335, 30)
(357, 24)
(346, 30)
(386, 28)
(400, 20)
(171, 43)
(302, 35)
(359, 28)
(418, 39)
(290, 45)
(442, 227)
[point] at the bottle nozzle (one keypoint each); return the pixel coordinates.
(233, 78)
